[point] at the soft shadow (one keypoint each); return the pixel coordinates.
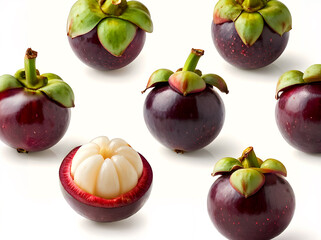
(138, 221)
(315, 157)
(295, 235)
(42, 156)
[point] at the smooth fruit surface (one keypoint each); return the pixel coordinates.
(268, 47)
(261, 216)
(298, 116)
(90, 50)
(30, 121)
(184, 123)
(100, 209)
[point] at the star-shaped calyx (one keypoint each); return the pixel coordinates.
(117, 22)
(187, 80)
(247, 172)
(295, 77)
(249, 17)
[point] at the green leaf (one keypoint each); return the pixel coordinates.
(186, 82)
(115, 35)
(138, 5)
(216, 81)
(277, 16)
(83, 17)
(138, 16)
(273, 166)
(249, 27)
(247, 181)
(227, 164)
(226, 11)
(160, 75)
(9, 82)
(312, 74)
(59, 91)
(288, 79)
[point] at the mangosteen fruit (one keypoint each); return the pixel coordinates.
(105, 180)
(250, 34)
(34, 108)
(251, 200)
(108, 34)
(298, 110)
(183, 111)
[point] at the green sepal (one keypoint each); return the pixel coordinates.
(312, 74)
(272, 166)
(50, 76)
(288, 79)
(83, 17)
(138, 16)
(186, 82)
(225, 165)
(226, 11)
(253, 5)
(138, 5)
(9, 82)
(216, 81)
(277, 16)
(249, 27)
(59, 91)
(160, 75)
(247, 181)
(115, 35)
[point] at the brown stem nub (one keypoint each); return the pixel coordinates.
(30, 54)
(198, 52)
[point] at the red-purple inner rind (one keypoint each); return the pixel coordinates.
(143, 185)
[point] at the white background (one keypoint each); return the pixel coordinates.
(110, 103)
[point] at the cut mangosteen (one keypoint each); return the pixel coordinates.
(250, 34)
(108, 34)
(34, 108)
(298, 110)
(105, 180)
(183, 111)
(251, 200)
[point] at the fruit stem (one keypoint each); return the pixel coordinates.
(249, 159)
(30, 67)
(192, 60)
(253, 5)
(113, 7)
(32, 79)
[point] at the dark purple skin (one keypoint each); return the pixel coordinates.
(100, 209)
(263, 52)
(261, 216)
(184, 123)
(91, 52)
(31, 122)
(298, 116)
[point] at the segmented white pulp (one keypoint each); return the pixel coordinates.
(106, 168)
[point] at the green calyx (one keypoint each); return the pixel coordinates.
(29, 78)
(188, 79)
(294, 77)
(247, 172)
(116, 21)
(249, 17)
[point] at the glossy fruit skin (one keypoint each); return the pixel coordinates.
(261, 216)
(298, 116)
(184, 123)
(90, 51)
(104, 210)
(30, 121)
(263, 52)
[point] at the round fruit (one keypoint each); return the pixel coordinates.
(108, 34)
(298, 110)
(251, 200)
(250, 34)
(183, 111)
(35, 109)
(105, 180)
